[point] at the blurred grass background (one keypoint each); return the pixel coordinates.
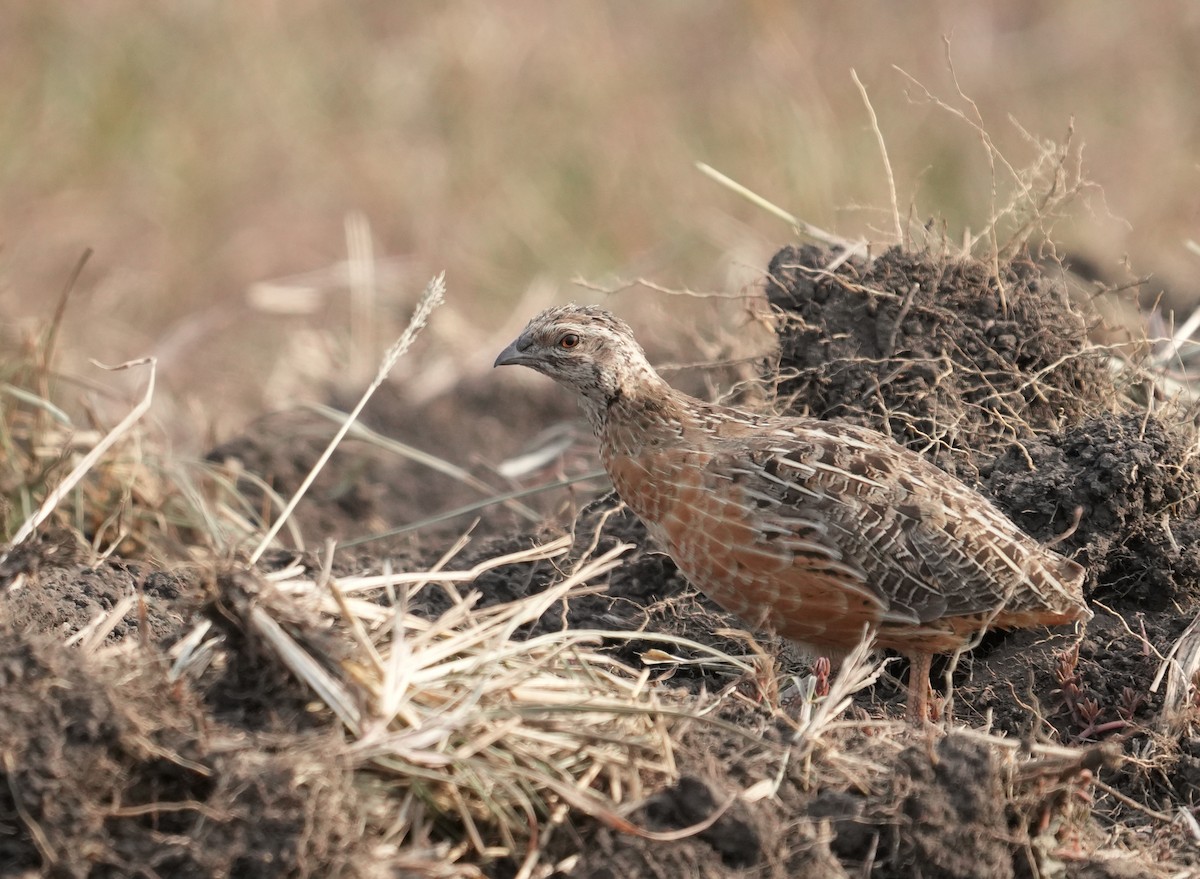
(201, 147)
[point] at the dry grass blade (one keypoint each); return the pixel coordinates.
(192, 654)
(433, 462)
(235, 524)
(32, 399)
(89, 460)
(1178, 339)
(434, 295)
(857, 673)
(330, 690)
(852, 248)
(91, 636)
(816, 717)
(1181, 668)
(544, 450)
(350, 585)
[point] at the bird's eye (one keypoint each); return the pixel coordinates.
(568, 341)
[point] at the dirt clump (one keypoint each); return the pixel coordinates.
(67, 594)
(1122, 490)
(938, 353)
(111, 769)
(942, 808)
(885, 803)
(1134, 482)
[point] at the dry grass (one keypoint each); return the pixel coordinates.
(496, 730)
(114, 481)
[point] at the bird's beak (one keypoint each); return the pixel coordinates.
(513, 356)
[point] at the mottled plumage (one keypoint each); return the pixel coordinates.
(807, 527)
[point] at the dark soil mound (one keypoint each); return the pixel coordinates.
(937, 353)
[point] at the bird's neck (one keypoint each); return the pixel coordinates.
(642, 413)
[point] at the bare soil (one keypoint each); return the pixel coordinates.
(117, 768)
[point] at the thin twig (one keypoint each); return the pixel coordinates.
(1131, 802)
(47, 352)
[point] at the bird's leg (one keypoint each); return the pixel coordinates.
(822, 671)
(919, 665)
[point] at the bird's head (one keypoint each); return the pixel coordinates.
(584, 348)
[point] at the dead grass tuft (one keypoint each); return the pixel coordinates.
(68, 465)
(467, 720)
